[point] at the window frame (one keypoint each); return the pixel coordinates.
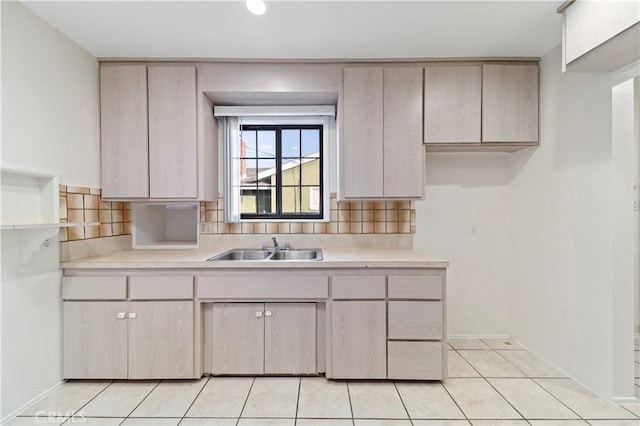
(282, 122)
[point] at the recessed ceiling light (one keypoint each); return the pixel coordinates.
(257, 7)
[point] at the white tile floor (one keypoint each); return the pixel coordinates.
(492, 382)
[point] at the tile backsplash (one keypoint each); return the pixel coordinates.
(366, 217)
(81, 204)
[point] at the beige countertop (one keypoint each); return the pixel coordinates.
(195, 259)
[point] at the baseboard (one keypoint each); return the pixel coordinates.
(625, 400)
(24, 406)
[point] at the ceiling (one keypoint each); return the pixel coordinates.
(307, 29)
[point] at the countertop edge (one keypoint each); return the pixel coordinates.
(256, 265)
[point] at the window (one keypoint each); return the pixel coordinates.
(281, 171)
(276, 161)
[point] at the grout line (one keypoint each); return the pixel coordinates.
(623, 406)
(559, 400)
(402, 401)
(350, 405)
(470, 365)
(511, 363)
(455, 402)
(503, 397)
(245, 400)
(194, 399)
(88, 402)
(298, 400)
(143, 399)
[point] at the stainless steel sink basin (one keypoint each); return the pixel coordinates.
(242, 254)
(297, 255)
(268, 255)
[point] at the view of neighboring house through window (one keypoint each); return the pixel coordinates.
(281, 171)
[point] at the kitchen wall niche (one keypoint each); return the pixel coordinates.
(165, 226)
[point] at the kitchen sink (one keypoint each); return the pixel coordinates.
(268, 255)
(297, 255)
(242, 254)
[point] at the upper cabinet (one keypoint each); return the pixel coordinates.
(123, 131)
(149, 133)
(173, 155)
(381, 153)
(509, 103)
(476, 107)
(452, 102)
(600, 36)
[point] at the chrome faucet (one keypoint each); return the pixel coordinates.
(275, 246)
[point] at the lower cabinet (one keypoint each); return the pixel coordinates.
(94, 340)
(359, 339)
(264, 338)
(161, 340)
(135, 340)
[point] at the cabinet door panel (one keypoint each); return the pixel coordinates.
(173, 171)
(161, 340)
(415, 320)
(123, 131)
(359, 341)
(94, 340)
(452, 103)
(290, 338)
(416, 361)
(362, 145)
(238, 338)
(402, 135)
(510, 103)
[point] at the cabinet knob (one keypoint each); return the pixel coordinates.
(121, 315)
(259, 314)
(132, 315)
(268, 313)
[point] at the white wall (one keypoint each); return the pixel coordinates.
(562, 195)
(49, 123)
(50, 116)
(465, 191)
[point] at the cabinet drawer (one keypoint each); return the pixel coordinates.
(94, 288)
(415, 320)
(159, 288)
(415, 287)
(259, 286)
(358, 287)
(415, 360)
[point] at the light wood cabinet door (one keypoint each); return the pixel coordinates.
(402, 133)
(509, 103)
(416, 360)
(415, 320)
(452, 103)
(238, 338)
(173, 163)
(359, 340)
(362, 140)
(161, 340)
(123, 131)
(94, 340)
(290, 338)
